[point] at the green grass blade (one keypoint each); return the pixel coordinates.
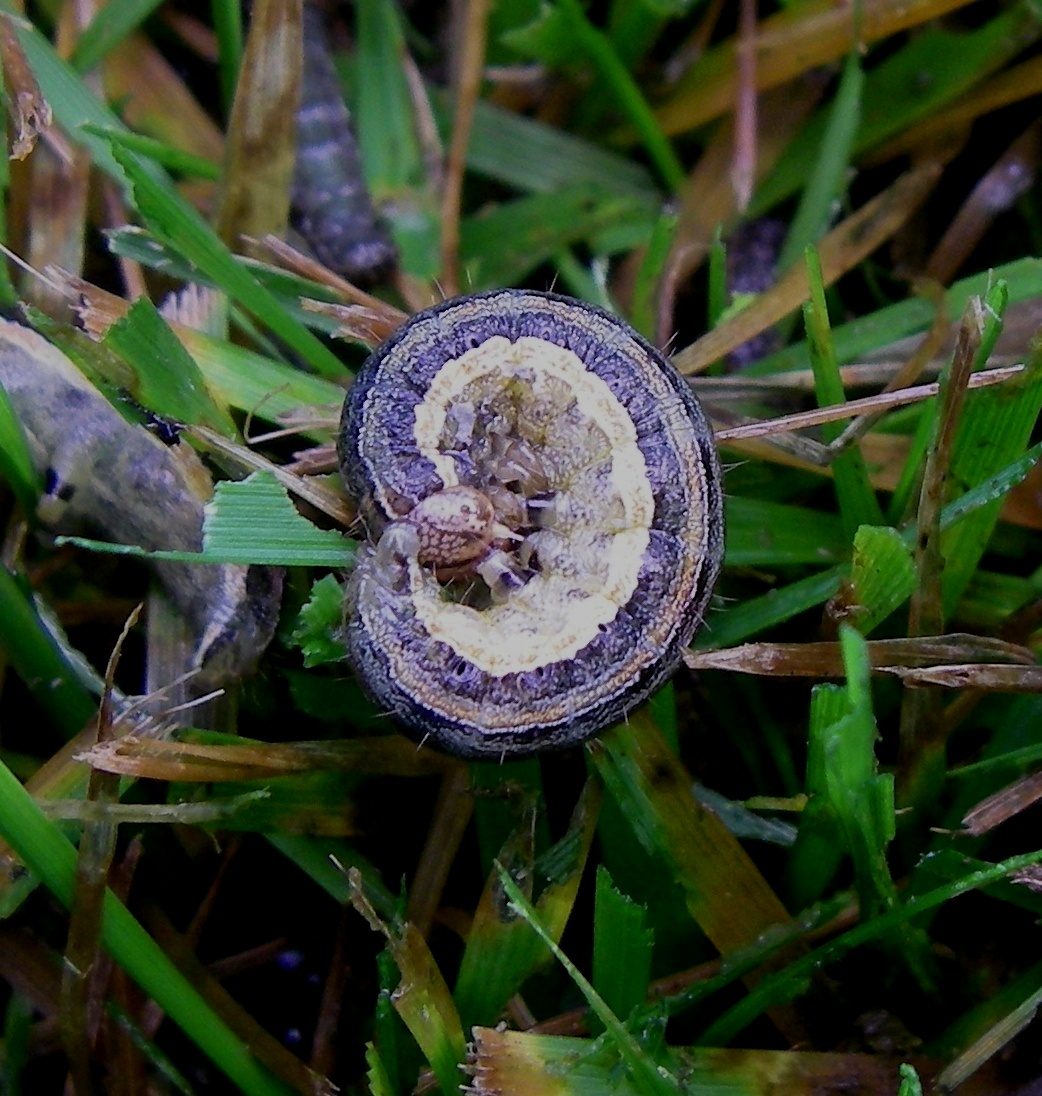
(393, 155)
(258, 511)
(182, 228)
(1023, 279)
(168, 380)
(760, 533)
(17, 1029)
(644, 314)
(862, 796)
(786, 984)
(622, 87)
(260, 386)
(151, 148)
(650, 1078)
(882, 575)
(538, 158)
(622, 945)
(52, 858)
(910, 1084)
(250, 521)
(655, 793)
(107, 29)
(502, 951)
(994, 431)
(227, 25)
(502, 245)
(857, 501)
(422, 998)
(39, 661)
(828, 181)
(725, 628)
(17, 466)
(847, 794)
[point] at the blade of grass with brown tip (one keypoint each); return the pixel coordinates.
(527, 1064)
(649, 1067)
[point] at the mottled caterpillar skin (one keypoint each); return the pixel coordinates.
(109, 477)
(333, 210)
(555, 621)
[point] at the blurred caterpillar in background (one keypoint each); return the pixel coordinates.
(333, 210)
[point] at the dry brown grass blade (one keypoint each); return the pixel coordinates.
(1010, 177)
(56, 222)
(81, 993)
(96, 309)
(326, 1043)
(451, 815)
(922, 726)
(926, 616)
(31, 968)
(1002, 679)
(842, 249)
(355, 322)
(54, 180)
(885, 656)
(869, 404)
(261, 146)
(288, 257)
(390, 755)
(321, 494)
(30, 111)
(707, 198)
(1007, 87)
(791, 42)
(1004, 804)
(743, 165)
(469, 62)
(870, 374)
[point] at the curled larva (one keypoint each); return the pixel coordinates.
(111, 477)
(544, 501)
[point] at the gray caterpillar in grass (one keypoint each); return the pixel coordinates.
(332, 207)
(544, 498)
